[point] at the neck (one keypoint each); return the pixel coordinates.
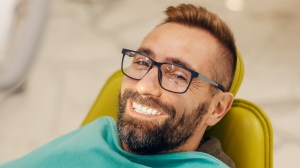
(192, 144)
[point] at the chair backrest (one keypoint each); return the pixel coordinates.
(246, 135)
(245, 132)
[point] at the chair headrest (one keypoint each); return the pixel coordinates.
(238, 75)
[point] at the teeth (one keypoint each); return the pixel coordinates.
(139, 107)
(144, 110)
(149, 111)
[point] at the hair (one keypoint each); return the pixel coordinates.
(199, 17)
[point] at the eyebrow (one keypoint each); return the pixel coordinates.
(179, 62)
(148, 52)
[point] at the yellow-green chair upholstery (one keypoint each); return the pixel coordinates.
(245, 132)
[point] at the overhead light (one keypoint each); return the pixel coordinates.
(235, 5)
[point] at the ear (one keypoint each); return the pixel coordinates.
(220, 107)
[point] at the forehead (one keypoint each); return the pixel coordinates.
(194, 46)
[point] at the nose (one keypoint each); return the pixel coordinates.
(149, 85)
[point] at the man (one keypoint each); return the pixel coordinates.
(175, 86)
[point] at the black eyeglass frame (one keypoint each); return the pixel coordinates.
(159, 64)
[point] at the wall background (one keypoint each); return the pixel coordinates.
(82, 45)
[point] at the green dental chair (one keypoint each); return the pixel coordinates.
(245, 132)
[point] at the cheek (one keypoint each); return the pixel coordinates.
(184, 104)
(190, 101)
(127, 83)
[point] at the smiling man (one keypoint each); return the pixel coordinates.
(176, 84)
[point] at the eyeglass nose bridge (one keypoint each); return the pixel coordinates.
(158, 64)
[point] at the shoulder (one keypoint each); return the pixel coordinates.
(76, 144)
(212, 146)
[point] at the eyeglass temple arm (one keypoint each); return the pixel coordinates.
(205, 79)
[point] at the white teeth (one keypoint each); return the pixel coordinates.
(139, 107)
(149, 111)
(155, 112)
(144, 110)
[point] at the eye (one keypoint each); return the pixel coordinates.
(176, 73)
(179, 76)
(141, 62)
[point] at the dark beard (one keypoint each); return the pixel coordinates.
(148, 137)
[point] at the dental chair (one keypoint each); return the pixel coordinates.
(245, 132)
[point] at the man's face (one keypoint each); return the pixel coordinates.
(174, 119)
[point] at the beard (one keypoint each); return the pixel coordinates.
(150, 137)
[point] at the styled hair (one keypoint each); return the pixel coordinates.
(199, 17)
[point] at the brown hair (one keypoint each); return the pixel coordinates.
(199, 17)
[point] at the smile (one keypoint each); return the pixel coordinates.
(144, 109)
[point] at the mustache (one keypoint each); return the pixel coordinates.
(148, 101)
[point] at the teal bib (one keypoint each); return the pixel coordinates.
(98, 145)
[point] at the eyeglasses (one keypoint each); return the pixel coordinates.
(172, 77)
